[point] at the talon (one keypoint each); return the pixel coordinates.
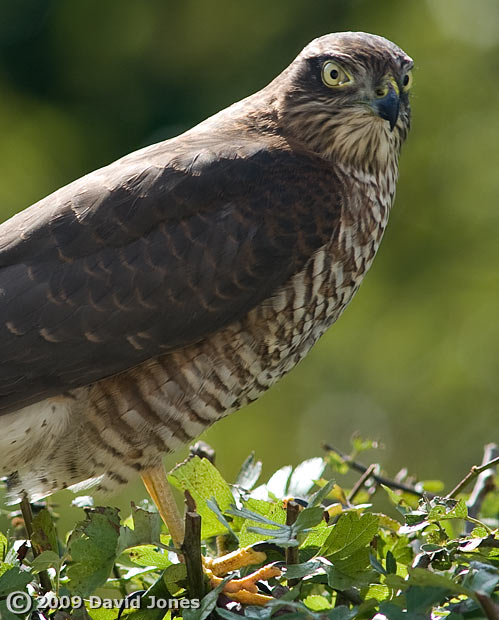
(245, 590)
(233, 561)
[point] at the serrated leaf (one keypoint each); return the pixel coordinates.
(440, 512)
(256, 511)
(378, 591)
(317, 498)
(44, 536)
(46, 559)
(353, 564)
(308, 518)
(298, 571)
(175, 577)
(397, 500)
(146, 530)
(92, 547)
(316, 602)
(148, 555)
(203, 481)
(14, 579)
(350, 533)
(318, 536)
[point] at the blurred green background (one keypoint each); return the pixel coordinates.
(414, 360)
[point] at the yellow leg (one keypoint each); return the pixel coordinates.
(243, 590)
(160, 491)
(233, 561)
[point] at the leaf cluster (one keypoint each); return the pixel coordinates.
(340, 558)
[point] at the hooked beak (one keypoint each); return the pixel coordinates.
(388, 107)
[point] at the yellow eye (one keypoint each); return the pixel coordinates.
(407, 81)
(334, 75)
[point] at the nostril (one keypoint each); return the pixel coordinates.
(381, 92)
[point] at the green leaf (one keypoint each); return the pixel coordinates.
(393, 612)
(203, 481)
(448, 510)
(425, 577)
(3, 547)
(317, 498)
(318, 536)
(308, 518)
(316, 602)
(482, 578)
(421, 599)
(92, 547)
(350, 533)
(341, 613)
(256, 511)
(149, 555)
(208, 604)
(175, 578)
(44, 535)
(149, 611)
(46, 559)
(146, 530)
(212, 505)
(298, 571)
(391, 563)
(14, 579)
(353, 564)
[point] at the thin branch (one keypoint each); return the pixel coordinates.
(292, 512)
(392, 484)
(27, 513)
(484, 485)
(475, 471)
(191, 549)
(369, 473)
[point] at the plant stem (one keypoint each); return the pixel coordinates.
(471, 475)
(292, 512)
(27, 513)
(392, 484)
(369, 473)
(191, 549)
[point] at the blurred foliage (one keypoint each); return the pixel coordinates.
(328, 553)
(414, 360)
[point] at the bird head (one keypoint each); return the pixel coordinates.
(346, 97)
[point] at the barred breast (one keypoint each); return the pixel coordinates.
(124, 424)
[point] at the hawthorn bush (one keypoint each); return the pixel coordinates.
(340, 556)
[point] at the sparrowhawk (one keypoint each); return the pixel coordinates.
(147, 300)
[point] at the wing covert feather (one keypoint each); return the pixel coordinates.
(153, 252)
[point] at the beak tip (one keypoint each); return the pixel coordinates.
(388, 108)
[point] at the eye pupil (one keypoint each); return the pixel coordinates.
(334, 74)
(405, 81)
